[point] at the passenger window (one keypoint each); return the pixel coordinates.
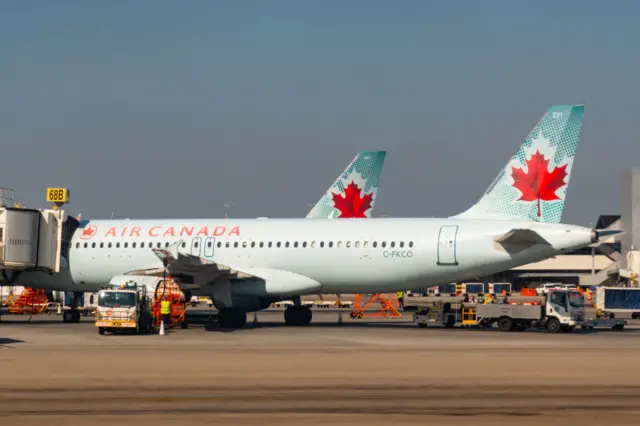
(196, 244)
(93, 245)
(410, 244)
(295, 244)
(304, 244)
(392, 244)
(141, 245)
(321, 244)
(375, 244)
(365, 244)
(244, 244)
(313, 244)
(209, 244)
(126, 245)
(253, 244)
(330, 244)
(383, 244)
(269, 244)
(348, 244)
(159, 244)
(226, 244)
(184, 244)
(166, 244)
(339, 244)
(133, 245)
(219, 244)
(278, 245)
(77, 245)
(117, 245)
(109, 245)
(401, 244)
(357, 244)
(286, 244)
(261, 244)
(235, 244)
(101, 245)
(86, 245)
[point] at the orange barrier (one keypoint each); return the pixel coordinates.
(528, 292)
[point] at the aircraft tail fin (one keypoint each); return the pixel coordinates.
(533, 185)
(354, 193)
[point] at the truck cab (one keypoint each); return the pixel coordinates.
(123, 307)
(564, 309)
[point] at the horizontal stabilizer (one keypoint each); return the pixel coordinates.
(521, 237)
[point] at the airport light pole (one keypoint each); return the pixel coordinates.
(227, 206)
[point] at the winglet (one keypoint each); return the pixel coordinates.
(362, 175)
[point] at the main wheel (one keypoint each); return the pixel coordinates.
(232, 318)
(298, 315)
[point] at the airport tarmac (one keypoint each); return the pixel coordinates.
(360, 372)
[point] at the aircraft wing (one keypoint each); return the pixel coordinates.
(179, 263)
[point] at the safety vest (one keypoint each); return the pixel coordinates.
(400, 293)
(165, 307)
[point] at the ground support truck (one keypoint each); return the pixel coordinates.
(124, 308)
(560, 311)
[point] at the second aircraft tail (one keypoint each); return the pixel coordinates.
(354, 193)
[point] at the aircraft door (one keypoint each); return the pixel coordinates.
(196, 246)
(447, 245)
(209, 242)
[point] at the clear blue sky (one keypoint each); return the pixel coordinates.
(157, 108)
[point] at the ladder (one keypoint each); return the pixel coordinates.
(30, 301)
(388, 306)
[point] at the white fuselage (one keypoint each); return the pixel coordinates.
(343, 255)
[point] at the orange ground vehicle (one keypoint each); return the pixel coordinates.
(169, 290)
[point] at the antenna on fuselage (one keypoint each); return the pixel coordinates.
(112, 213)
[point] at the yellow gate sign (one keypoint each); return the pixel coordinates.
(58, 195)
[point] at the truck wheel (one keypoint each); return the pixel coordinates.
(505, 324)
(101, 331)
(553, 326)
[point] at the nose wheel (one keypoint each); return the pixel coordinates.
(298, 315)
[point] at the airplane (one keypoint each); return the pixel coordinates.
(247, 264)
(343, 199)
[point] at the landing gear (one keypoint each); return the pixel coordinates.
(73, 314)
(232, 318)
(297, 315)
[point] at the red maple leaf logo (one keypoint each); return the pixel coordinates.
(88, 232)
(351, 204)
(537, 183)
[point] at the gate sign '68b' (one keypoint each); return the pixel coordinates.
(398, 253)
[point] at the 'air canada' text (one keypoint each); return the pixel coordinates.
(173, 231)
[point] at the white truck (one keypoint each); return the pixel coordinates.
(124, 307)
(561, 311)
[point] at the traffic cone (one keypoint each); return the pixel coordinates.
(162, 328)
(340, 317)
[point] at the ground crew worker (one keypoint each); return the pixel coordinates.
(165, 311)
(400, 295)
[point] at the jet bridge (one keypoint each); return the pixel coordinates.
(30, 240)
